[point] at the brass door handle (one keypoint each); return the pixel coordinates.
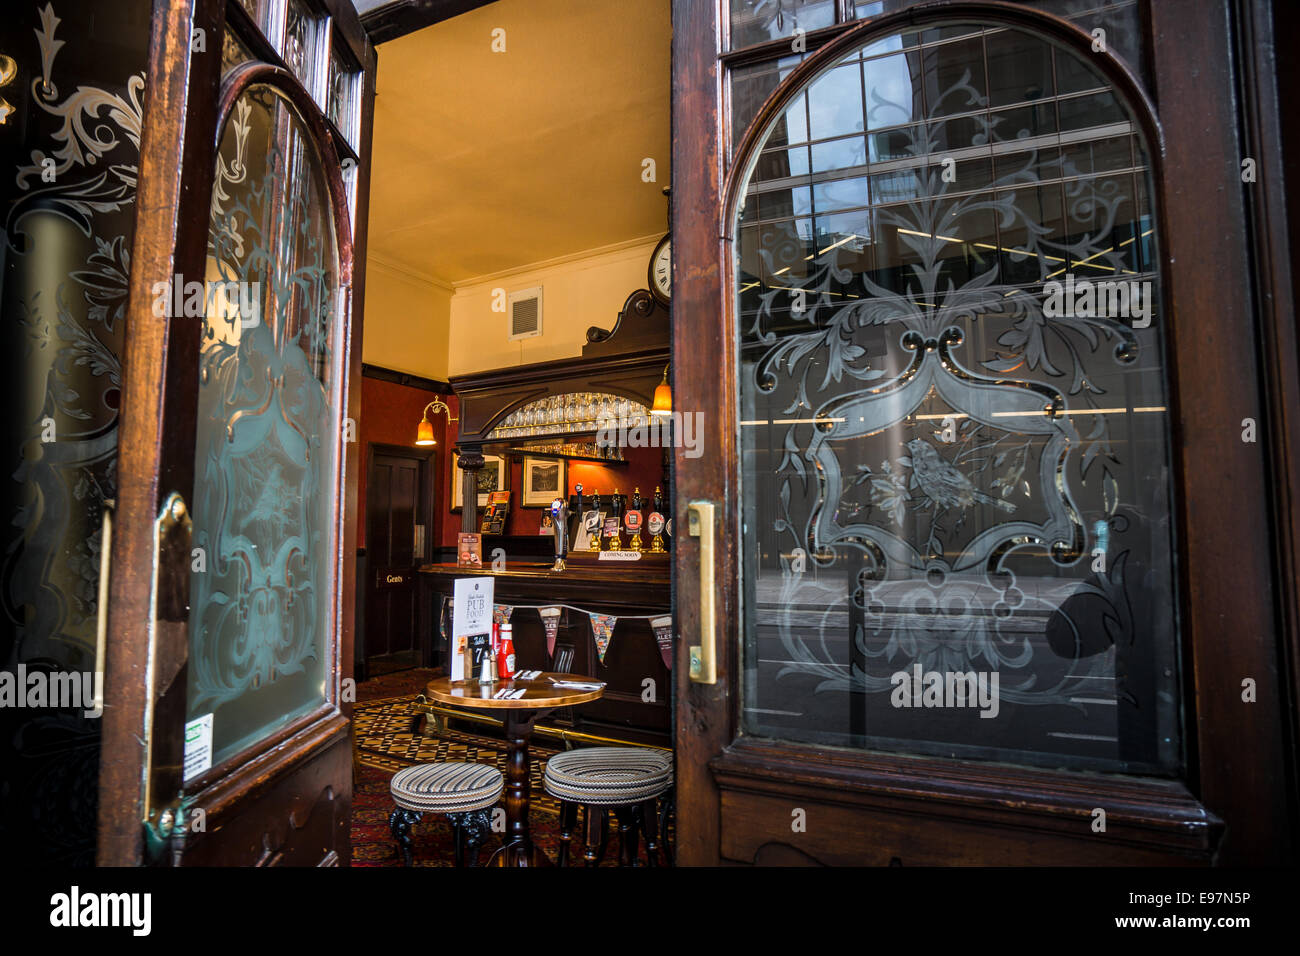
(168, 654)
(703, 663)
(101, 610)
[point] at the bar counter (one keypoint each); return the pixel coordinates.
(635, 705)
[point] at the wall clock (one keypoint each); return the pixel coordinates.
(660, 271)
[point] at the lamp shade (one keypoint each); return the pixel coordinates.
(424, 435)
(663, 403)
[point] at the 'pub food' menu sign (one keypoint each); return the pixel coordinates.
(472, 600)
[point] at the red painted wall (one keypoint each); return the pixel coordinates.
(644, 470)
(390, 415)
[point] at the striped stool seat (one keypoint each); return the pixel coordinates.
(609, 776)
(447, 787)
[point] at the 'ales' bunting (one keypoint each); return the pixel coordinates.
(551, 621)
(501, 613)
(602, 627)
(663, 628)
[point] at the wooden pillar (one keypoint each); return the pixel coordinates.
(470, 463)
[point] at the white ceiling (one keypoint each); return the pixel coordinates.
(486, 161)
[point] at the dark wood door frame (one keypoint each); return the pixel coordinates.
(401, 17)
(428, 516)
(157, 396)
(1241, 756)
(182, 125)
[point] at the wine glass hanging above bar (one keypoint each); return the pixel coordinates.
(569, 414)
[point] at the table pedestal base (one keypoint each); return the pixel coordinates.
(518, 849)
(519, 854)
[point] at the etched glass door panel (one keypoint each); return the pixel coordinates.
(263, 587)
(954, 436)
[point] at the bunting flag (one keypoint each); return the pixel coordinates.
(551, 621)
(602, 625)
(663, 628)
(602, 628)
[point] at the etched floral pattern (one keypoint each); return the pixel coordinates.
(68, 220)
(927, 422)
(264, 507)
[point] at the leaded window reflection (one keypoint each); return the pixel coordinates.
(265, 15)
(1119, 21)
(268, 428)
(303, 35)
(751, 85)
(1115, 23)
(342, 96)
(955, 460)
(754, 21)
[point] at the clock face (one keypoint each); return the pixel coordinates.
(661, 269)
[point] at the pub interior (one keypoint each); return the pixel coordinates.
(515, 420)
(359, 552)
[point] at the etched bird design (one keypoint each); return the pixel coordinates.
(942, 483)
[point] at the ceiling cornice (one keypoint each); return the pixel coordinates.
(572, 257)
(426, 277)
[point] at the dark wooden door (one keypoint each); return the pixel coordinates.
(919, 470)
(67, 235)
(228, 687)
(398, 510)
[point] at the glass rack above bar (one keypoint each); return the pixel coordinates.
(571, 413)
(609, 454)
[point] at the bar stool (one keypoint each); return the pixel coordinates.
(463, 792)
(628, 780)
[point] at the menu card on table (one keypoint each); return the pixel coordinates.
(471, 617)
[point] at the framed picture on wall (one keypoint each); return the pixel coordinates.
(493, 476)
(543, 482)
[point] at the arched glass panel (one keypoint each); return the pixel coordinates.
(954, 431)
(263, 586)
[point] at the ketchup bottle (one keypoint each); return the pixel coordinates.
(506, 652)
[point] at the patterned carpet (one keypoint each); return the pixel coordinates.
(386, 739)
(405, 683)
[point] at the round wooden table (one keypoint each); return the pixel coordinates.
(520, 714)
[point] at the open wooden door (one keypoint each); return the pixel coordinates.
(978, 571)
(227, 690)
(399, 523)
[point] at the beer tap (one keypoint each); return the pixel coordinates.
(560, 522)
(593, 539)
(617, 504)
(577, 508)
